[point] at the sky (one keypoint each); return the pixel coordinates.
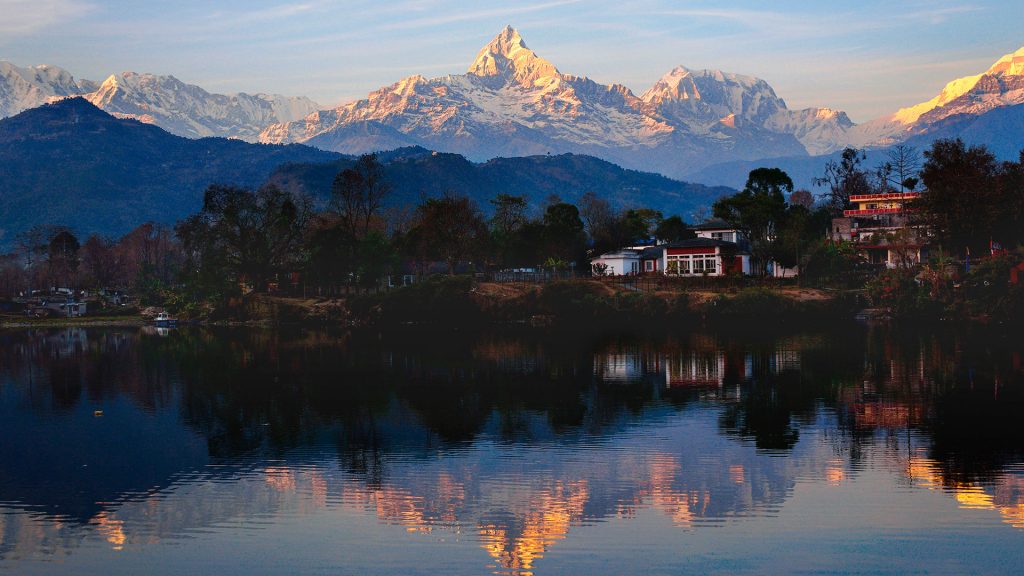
(868, 58)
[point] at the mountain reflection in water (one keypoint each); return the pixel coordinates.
(512, 443)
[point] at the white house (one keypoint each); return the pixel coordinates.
(717, 229)
(625, 262)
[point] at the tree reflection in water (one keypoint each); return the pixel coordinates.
(515, 438)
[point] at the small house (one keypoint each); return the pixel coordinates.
(624, 262)
(704, 257)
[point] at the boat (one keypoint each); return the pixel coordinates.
(163, 320)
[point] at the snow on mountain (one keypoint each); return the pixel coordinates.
(701, 99)
(179, 108)
(188, 110)
(513, 102)
(24, 88)
(1000, 86)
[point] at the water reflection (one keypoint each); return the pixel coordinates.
(512, 442)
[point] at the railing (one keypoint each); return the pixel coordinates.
(874, 211)
(535, 277)
(883, 197)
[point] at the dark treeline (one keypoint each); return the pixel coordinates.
(147, 260)
(271, 240)
(268, 239)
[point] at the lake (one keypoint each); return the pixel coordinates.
(858, 449)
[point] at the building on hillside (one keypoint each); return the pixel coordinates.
(880, 227)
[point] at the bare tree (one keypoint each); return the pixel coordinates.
(597, 214)
(905, 166)
(358, 194)
(844, 179)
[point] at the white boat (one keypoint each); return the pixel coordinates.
(163, 320)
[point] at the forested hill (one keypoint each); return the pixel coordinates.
(416, 172)
(71, 163)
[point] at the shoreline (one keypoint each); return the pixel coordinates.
(133, 321)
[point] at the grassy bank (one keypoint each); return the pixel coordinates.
(599, 304)
(91, 321)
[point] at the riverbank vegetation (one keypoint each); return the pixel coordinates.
(267, 253)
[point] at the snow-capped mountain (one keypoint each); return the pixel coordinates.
(188, 110)
(182, 109)
(1000, 86)
(24, 88)
(701, 99)
(512, 102)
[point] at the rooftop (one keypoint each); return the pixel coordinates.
(713, 224)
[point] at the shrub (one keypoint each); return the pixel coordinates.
(439, 299)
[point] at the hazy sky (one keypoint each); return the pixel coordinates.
(867, 57)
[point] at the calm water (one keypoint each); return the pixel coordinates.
(250, 452)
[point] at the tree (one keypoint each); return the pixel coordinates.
(241, 235)
(596, 213)
(902, 168)
(62, 257)
(563, 232)
(640, 223)
(1008, 228)
(99, 264)
(601, 223)
(802, 198)
(673, 229)
(844, 179)
(506, 223)
(960, 202)
(509, 214)
(757, 210)
(450, 228)
(798, 233)
(30, 246)
(149, 255)
(358, 193)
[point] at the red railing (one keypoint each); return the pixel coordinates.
(885, 197)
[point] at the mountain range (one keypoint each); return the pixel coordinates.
(71, 163)
(513, 102)
(696, 124)
(180, 108)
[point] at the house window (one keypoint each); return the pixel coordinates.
(673, 266)
(716, 235)
(698, 264)
(649, 266)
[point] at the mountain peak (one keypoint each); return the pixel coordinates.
(682, 83)
(1009, 65)
(508, 57)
